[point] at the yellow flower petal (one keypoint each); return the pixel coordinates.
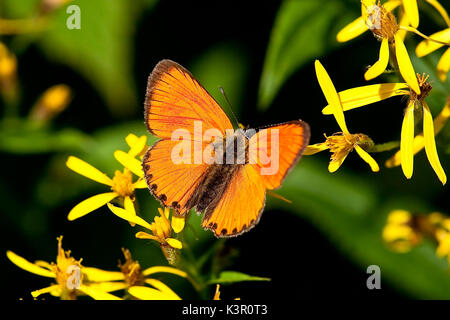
(331, 95)
(403, 22)
(362, 96)
(217, 293)
(125, 214)
(430, 144)
(145, 235)
(129, 206)
(37, 293)
(109, 286)
(161, 229)
(439, 8)
(444, 246)
(131, 139)
(443, 65)
(419, 142)
(315, 148)
(28, 266)
(43, 264)
(178, 223)
(396, 232)
(427, 46)
(406, 143)
(391, 4)
(399, 217)
(174, 243)
(334, 165)
(404, 64)
(87, 170)
(383, 60)
(140, 184)
(145, 293)
(97, 294)
(367, 158)
(163, 288)
(129, 162)
(164, 269)
(412, 12)
(352, 30)
(99, 275)
(366, 4)
(90, 204)
(136, 144)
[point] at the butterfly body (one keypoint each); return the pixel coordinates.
(214, 169)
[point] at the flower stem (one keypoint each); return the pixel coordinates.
(385, 146)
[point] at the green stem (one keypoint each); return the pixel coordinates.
(385, 146)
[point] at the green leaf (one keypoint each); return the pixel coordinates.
(351, 211)
(303, 30)
(223, 65)
(21, 138)
(101, 50)
(234, 276)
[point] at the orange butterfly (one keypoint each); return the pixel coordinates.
(230, 194)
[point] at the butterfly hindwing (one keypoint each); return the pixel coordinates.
(288, 140)
(240, 206)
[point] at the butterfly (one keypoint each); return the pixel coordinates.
(231, 195)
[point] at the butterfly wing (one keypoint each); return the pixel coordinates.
(241, 204)
(172, 184)
(276, 149)
(174, 100)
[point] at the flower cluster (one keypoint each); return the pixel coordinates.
(405, 230)
(381, 21)
(73, 279)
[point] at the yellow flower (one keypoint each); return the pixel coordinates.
(159, 292)
(357, 97)
(138, 145)
(67, 272)
(161, 229)
(425, 47)
(8, 72)
(8, 63)
(419, 140)
(410, 16)
(130, 275)
(411, 12)
(340, 144)
(443, 238)
(121, 184)
(399, 233)
(53, 101)
(380, 20)
(217, 293)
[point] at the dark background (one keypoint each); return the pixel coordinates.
(301, 259)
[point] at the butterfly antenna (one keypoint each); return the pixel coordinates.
(229, 105)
